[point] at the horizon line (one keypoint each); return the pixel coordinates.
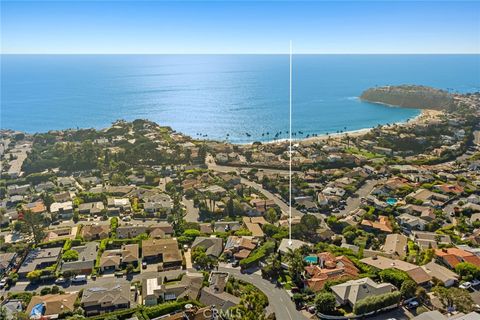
(240, 53)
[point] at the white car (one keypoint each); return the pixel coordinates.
(465, 285)
(60, 280)
(79, 279)
(3, 283)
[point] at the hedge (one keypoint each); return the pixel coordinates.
(374, 303)
(258, 254)
(166, 308)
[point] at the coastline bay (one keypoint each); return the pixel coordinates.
(242, 98)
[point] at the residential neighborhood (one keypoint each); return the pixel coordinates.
(137, 221)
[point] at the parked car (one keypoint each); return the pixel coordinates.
(465, 285)
(3, 283)
(475, 282)
(119, 274)
(412, 304)
(144, 265)
(60, 280)
(79, 279)
(235, 263)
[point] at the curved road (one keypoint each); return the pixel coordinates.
(279, 300)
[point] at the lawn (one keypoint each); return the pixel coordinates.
(363, 152)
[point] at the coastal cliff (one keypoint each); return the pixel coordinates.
(410, 96)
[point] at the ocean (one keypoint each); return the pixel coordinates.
(239, 98)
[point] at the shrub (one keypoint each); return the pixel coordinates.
(374, 303)
(325, 302)
(394, 276)
(258, 254)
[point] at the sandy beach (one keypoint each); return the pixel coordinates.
(424, 116)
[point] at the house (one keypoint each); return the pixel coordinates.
(63, 196)
(225, 226)
(39, 259)
(213, 189)
(213, 246)
(350, 292)
(239, 247)
(12, 307)
(425, 212)
(14, 189)
(105, 298)
(61, 234)
(112, 260)
(396, 245)
(157, 289)
(64, 210)
(411, 222)
(206, 228)
(37, 207)
(426, 240)
(378, 204)
(215, 293)
(295, 244)
(447, 277)
(53, 305)
(66, 181)
(117, 205)
(329, 268)
(253, 224)
(428, 197)
(450, 188)
(87, 255)
(130, 231)
(162, 250)
(158, 203)
(7, 260)
(262, 205)
(91, 208)
(415, 272)
(453, 256)
(383, 224)
(95, 232)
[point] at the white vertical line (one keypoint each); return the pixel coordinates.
(290, 154)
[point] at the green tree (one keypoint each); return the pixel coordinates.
(34, 275)
(408, 288)
(467, 271)
(295, 263)
(456, 298)
(325, 302)
(70, 255)
(201, 259)
(32, 225)
(394, 276)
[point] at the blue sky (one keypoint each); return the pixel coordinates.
(240, 27)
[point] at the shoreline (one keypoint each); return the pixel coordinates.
(425, 114)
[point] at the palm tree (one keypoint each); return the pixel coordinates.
(295, 262)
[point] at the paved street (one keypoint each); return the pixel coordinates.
(192, 214)
(278, 298)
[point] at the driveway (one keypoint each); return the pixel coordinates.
(279, 300)
(354, 203)
(192, 214)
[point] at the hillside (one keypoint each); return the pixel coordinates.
(410, 96)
